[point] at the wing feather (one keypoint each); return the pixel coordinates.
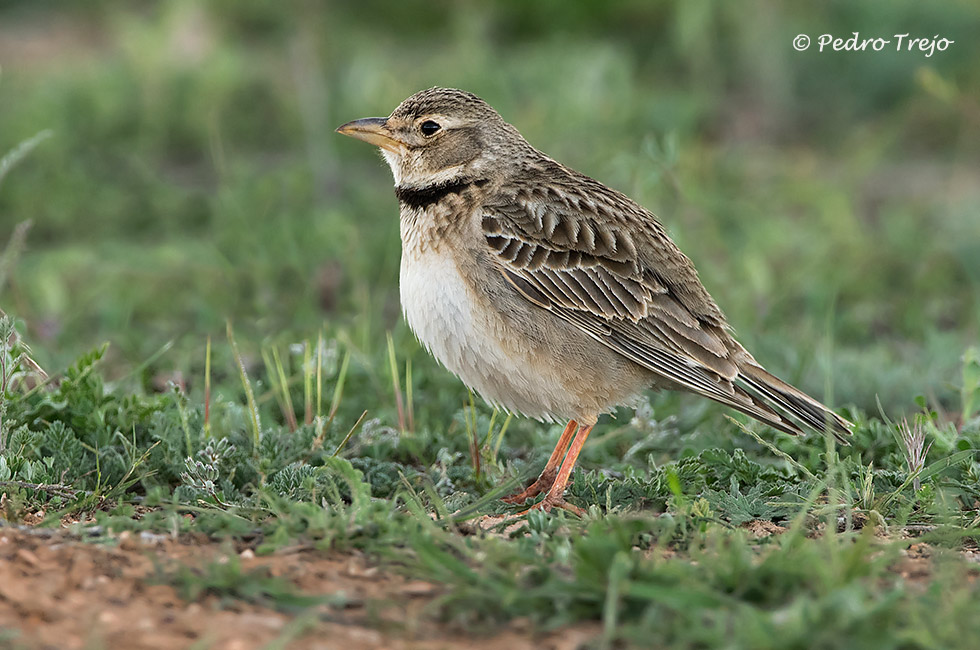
(578, 256)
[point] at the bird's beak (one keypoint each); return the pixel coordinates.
(373, 130)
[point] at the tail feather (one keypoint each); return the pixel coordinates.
(754, 407)
(793, 402)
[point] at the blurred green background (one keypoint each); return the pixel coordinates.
(831, 201)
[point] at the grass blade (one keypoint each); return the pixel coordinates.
(207, 389)
(253, 409)
(343, 443)
(396, 385)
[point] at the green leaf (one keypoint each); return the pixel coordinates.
(944, 463)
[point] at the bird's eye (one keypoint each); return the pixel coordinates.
(429, 127)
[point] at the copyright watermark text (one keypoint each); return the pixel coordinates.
(856, 43)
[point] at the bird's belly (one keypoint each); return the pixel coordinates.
(441, 310)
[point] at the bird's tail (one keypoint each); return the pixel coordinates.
(776, 399)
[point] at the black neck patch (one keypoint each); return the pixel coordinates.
(423, 197)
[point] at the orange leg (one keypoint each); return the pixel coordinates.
(555, 497)
(550, 471)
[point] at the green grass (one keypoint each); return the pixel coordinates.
(192, 208)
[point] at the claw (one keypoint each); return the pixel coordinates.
(546, 504)
(542, 484)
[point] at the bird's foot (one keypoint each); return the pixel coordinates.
(542, 484)
(546, 504)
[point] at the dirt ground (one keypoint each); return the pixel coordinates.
(58, 592)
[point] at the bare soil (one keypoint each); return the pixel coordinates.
(59, 592)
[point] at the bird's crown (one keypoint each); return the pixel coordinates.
(443, 101)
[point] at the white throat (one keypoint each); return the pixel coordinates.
(406, 177)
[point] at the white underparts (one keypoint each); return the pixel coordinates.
(439, 308)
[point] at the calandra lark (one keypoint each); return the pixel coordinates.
(549, 293)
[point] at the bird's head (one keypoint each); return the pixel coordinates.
(439, 135)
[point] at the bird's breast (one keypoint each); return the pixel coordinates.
(454, 323)
(438, 306)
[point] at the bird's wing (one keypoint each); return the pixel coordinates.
(624, 283)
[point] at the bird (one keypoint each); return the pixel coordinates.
(550, 294)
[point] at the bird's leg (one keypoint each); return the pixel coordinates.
(556, 495)
(550, 471)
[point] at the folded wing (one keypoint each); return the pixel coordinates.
(571, 253)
